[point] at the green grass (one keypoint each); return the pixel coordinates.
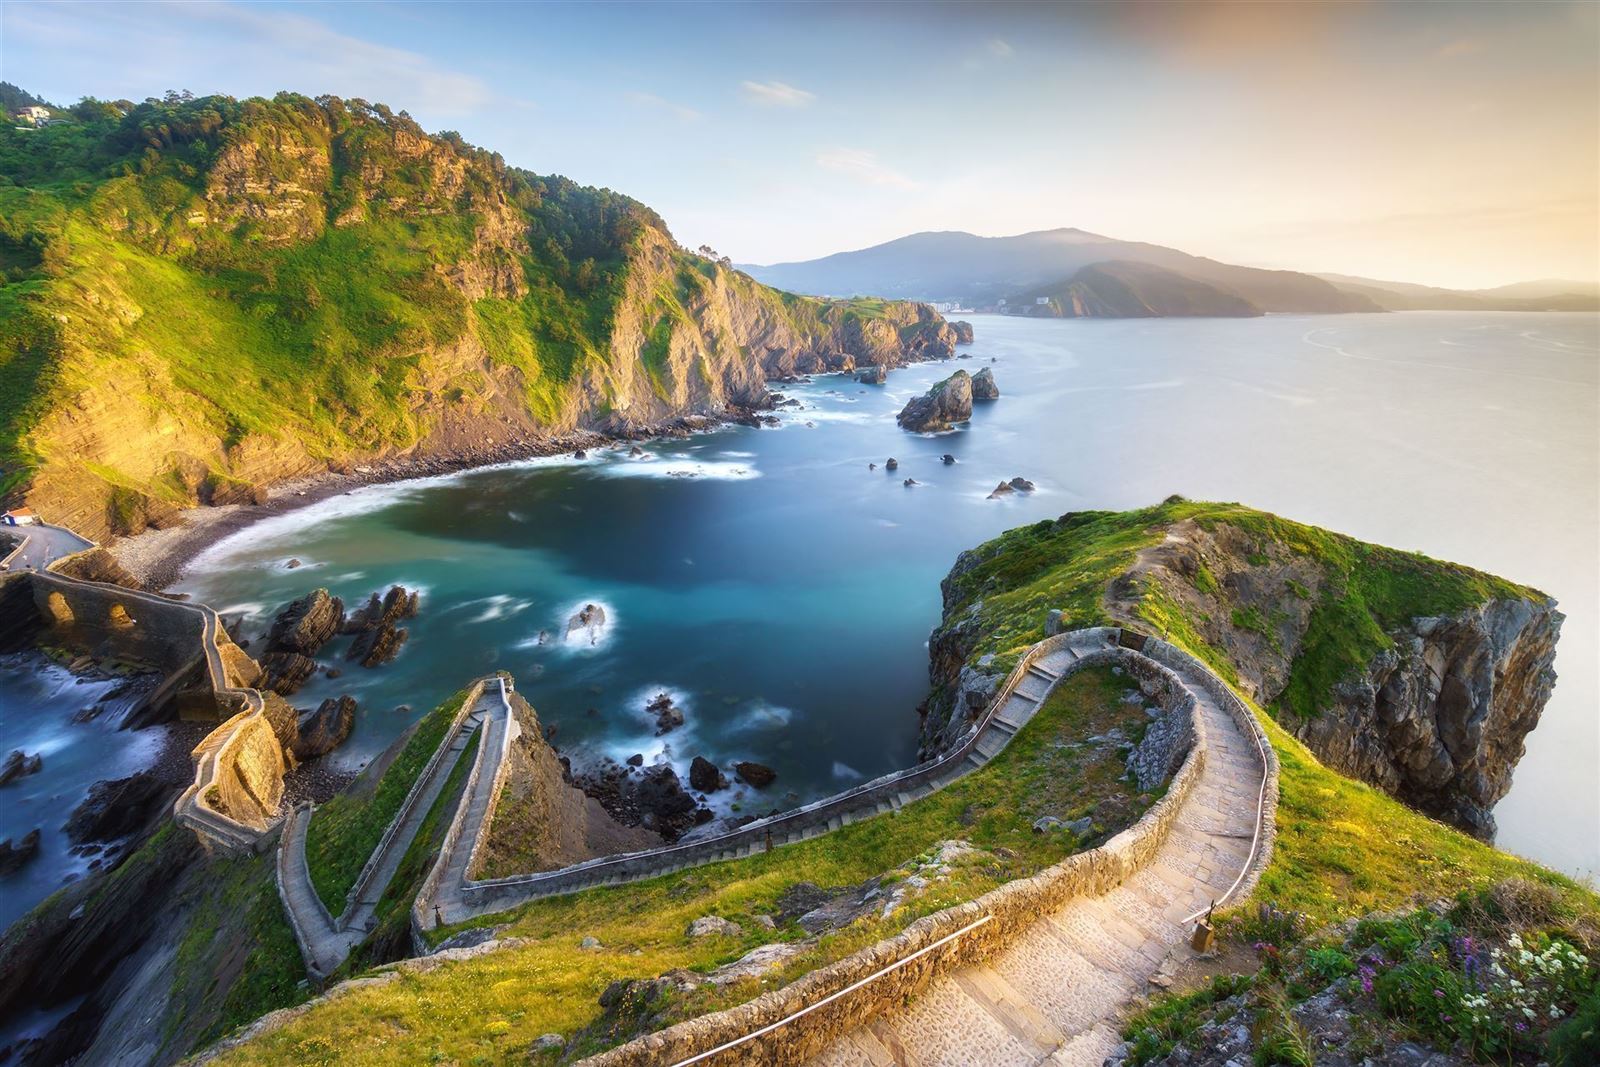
(1067, 563)
(344, 831)
(493, 1006)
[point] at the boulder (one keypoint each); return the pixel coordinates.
(1003, 489)
(704, 776)
(984, 387)
(325, 728)
(305, 625)
(1022, 485)
(14, 855)
(872, 374)
(379, 645)
(947, 459)
(635, 452)
(891, 464)
(909, 482)
(587, 624)
(946, 404)
(756, 774)
(714, 926)
(636, 760)
(118, 807)
(19, 765)
(668, 716)
(654, 798)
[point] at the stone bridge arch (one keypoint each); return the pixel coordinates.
(60, 611)
(117, 617)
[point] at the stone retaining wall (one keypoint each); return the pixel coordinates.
(1010, 910)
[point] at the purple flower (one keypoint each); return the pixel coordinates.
(1439, 993)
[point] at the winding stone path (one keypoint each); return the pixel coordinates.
(455, 897)
(325, 941)
(1056, 996)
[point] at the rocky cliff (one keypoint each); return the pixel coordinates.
(1421, 677)
(204, 297)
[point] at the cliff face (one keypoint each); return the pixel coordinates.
(1440, 719)
(233, 293)
(1420, 677)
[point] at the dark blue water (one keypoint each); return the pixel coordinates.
(784, 592)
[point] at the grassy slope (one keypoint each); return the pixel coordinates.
(290, 273)
(345, 830)
(1067, 563)
(495, 1005)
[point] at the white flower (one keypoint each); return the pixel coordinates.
(1555, 1012)
(1528, 1012)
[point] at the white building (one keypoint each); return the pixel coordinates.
(19, 517)
(34, 115)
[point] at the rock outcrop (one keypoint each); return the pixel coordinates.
(756, 774)
(650, 797)
(306, 624)
(1424, 678)
(15, 854)
(984, 387)
(587, 625)
(378, 637)
(117, 808)
(946, 404)
(543, 820)
(665, 714)
(325, 727)
(705, 776)
(19, 764)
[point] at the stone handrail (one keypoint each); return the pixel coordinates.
(498, 894)
(192, 809)
(418, 787)
(844, 994)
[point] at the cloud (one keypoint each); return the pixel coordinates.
(775, 94)
(864, 167)
(999, 49)
(239, 50)
(658, 103)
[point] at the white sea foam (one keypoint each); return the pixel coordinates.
(585, 641)
(499, 606)
(760, 715)
(682, 466)
(845, 773)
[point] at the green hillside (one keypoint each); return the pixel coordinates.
(202, 296)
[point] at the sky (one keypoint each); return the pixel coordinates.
(1431, 142)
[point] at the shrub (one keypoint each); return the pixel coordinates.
(1576, 1042)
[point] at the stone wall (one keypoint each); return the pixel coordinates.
(248, 784)
(945, 941)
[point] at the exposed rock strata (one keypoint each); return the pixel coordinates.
(984, 387)
(378, 638)
(651, 797)
(19, 765)
(324, 728)
(306, 624)
(1438, 718)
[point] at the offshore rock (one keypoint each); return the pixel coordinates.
(872, 374)
(984, 387)
(19, 765)
(305, 625)
(946, 404)
(667, 715)
(963, 332)
(587, 624)
(325, 728)
(704, 776)
(14, 855)
(378, 638)
(756, 774)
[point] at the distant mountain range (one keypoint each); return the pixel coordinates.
(1551, 294)
(1071, 272)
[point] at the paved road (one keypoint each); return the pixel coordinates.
(324, 940)
(44, 545)
(1057, 995)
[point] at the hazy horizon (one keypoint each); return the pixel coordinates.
(1451, 145)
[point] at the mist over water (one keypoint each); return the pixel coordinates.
(783, 592)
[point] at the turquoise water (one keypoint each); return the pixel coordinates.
(784, 592)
